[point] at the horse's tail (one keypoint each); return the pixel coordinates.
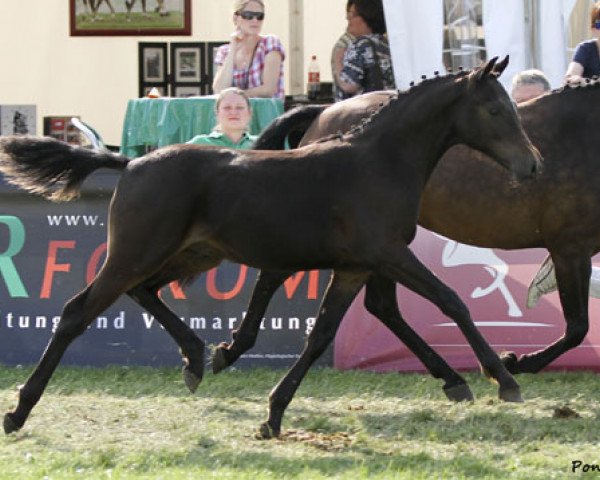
(292, 124)
(51, 168)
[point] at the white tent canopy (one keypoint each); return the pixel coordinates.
(415, 30)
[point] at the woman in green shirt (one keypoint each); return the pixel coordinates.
(233, 117)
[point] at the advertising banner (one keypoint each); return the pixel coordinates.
(50, 251)
(493, 284)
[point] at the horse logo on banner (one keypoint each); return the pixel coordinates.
(456, 254)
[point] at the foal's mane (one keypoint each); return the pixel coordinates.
(399, 97)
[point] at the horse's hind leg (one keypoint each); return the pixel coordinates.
(573, 279)
(343, 288)
(244, 337)
(191, 346)
(402, 266)
(77, 314)
(380, 300)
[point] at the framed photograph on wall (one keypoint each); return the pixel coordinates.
(152, 67)
(187, 62)
(187, 91)
(187, 68)
(211, 51)
(130, 17)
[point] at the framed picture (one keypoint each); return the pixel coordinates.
(187, 91)
(152, 68)
(211, 51)
(187, 62)
(130, 17)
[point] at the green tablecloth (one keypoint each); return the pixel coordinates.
(165, 121)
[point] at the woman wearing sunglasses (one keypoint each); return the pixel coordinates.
(250, 61)
(586, 60)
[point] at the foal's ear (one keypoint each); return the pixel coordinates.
(483, 71)
(499, 67)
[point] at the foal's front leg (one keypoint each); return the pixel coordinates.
(402, 266)
(244, 337)
(339, 295)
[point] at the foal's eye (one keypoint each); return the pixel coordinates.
(494, 111)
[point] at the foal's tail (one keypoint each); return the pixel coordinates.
(293, 124)
(51, 168)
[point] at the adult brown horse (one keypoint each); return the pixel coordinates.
(181, 210)
(476, 203)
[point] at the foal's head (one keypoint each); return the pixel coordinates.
(488, 121)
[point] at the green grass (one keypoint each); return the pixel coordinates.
(129, 423)
(135, 21)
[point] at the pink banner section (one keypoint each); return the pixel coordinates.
(493, 283)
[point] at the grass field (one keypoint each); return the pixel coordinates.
(135, 21)
(127, 423)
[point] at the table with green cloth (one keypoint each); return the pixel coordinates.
(156, 122)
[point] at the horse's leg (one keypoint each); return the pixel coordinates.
(77, 314)
(343, 288)
(573, 279)
(380, 300)
(192, 347)
(244, 337)
(404, 267)
(112, 10)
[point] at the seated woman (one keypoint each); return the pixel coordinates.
(586, 60)
(250, 61)
(367, 61)
(233, 117)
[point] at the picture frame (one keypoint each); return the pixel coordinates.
(187, 91)
(187, 68)
(211, 50)
(187, 62)
(152, 67)
(126, 17)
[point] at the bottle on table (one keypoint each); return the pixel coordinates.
(313, 85)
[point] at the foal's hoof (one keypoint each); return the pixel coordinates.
(266, 432)
(191, 379)
(510, 395)
(459, 393)
(9, 424)
(510, 361)
(219, 362)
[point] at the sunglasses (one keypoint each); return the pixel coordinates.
(248, 15)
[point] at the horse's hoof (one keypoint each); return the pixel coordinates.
(266, 432)
(191, 379)
(9, 424)
(510, 361)
(510, 395)
(219, 362)
(459, 393)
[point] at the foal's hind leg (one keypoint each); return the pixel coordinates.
(573, 278)
(380, 300)
(402, 266)
(343, 288)
(77, 314)
(191, 346)
(244, 337)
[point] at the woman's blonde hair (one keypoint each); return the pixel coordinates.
(227, 91)
(239, 5)
(223, 94)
